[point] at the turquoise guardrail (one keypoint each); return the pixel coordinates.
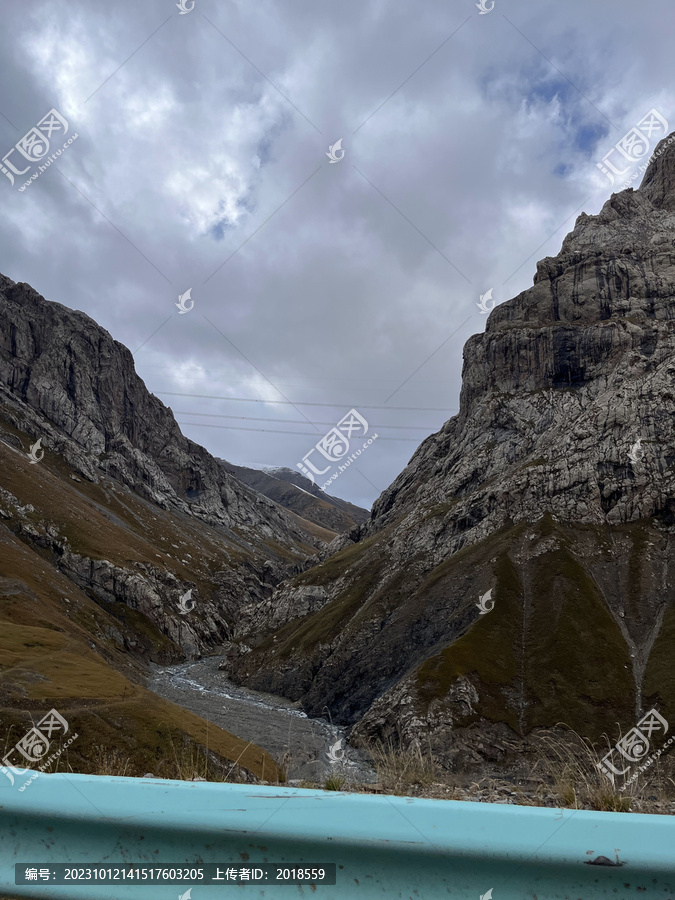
(382, 846)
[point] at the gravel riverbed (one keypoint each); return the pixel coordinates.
(273, 723)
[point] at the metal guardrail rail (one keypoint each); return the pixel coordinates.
(384, 846)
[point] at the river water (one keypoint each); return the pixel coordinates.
(273, 723)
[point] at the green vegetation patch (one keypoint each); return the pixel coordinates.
(487, 649)
(578, 667)
(336, 565)
(438, 509)
(324, 625)
(658, 688)
(549, 651)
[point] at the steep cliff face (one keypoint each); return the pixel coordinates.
(59, 363)
(122, 503)
(554, 487)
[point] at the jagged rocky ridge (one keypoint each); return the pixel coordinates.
(537, 490)
(64, 380)
(295, 492)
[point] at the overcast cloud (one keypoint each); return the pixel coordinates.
(470, 147)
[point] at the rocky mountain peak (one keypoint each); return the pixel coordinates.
(65, 377)
(565, 378)
(658, 184)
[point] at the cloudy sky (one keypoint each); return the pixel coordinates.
(469, 145)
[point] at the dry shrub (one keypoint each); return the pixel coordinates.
(570, 763)
(398, 770)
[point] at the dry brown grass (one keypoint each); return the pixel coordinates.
(570, 763)
(47, 660)
(561, 772)
(570, 766)
(110, 761)
(400, 770)
(335, 782)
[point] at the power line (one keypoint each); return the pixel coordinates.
(273, 431)
(290, 403)
(185, 412)
(224, 373)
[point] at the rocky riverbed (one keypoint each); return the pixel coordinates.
(311, 749)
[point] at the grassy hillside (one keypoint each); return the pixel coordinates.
(62, 647)
(55, 651)
(582, 629)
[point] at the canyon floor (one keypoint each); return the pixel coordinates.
(298, 743)
(301, 745)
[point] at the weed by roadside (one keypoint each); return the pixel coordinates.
(560, 771)
(399, 770)
(334, 783)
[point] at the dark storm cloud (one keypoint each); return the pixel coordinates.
(470, 146)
